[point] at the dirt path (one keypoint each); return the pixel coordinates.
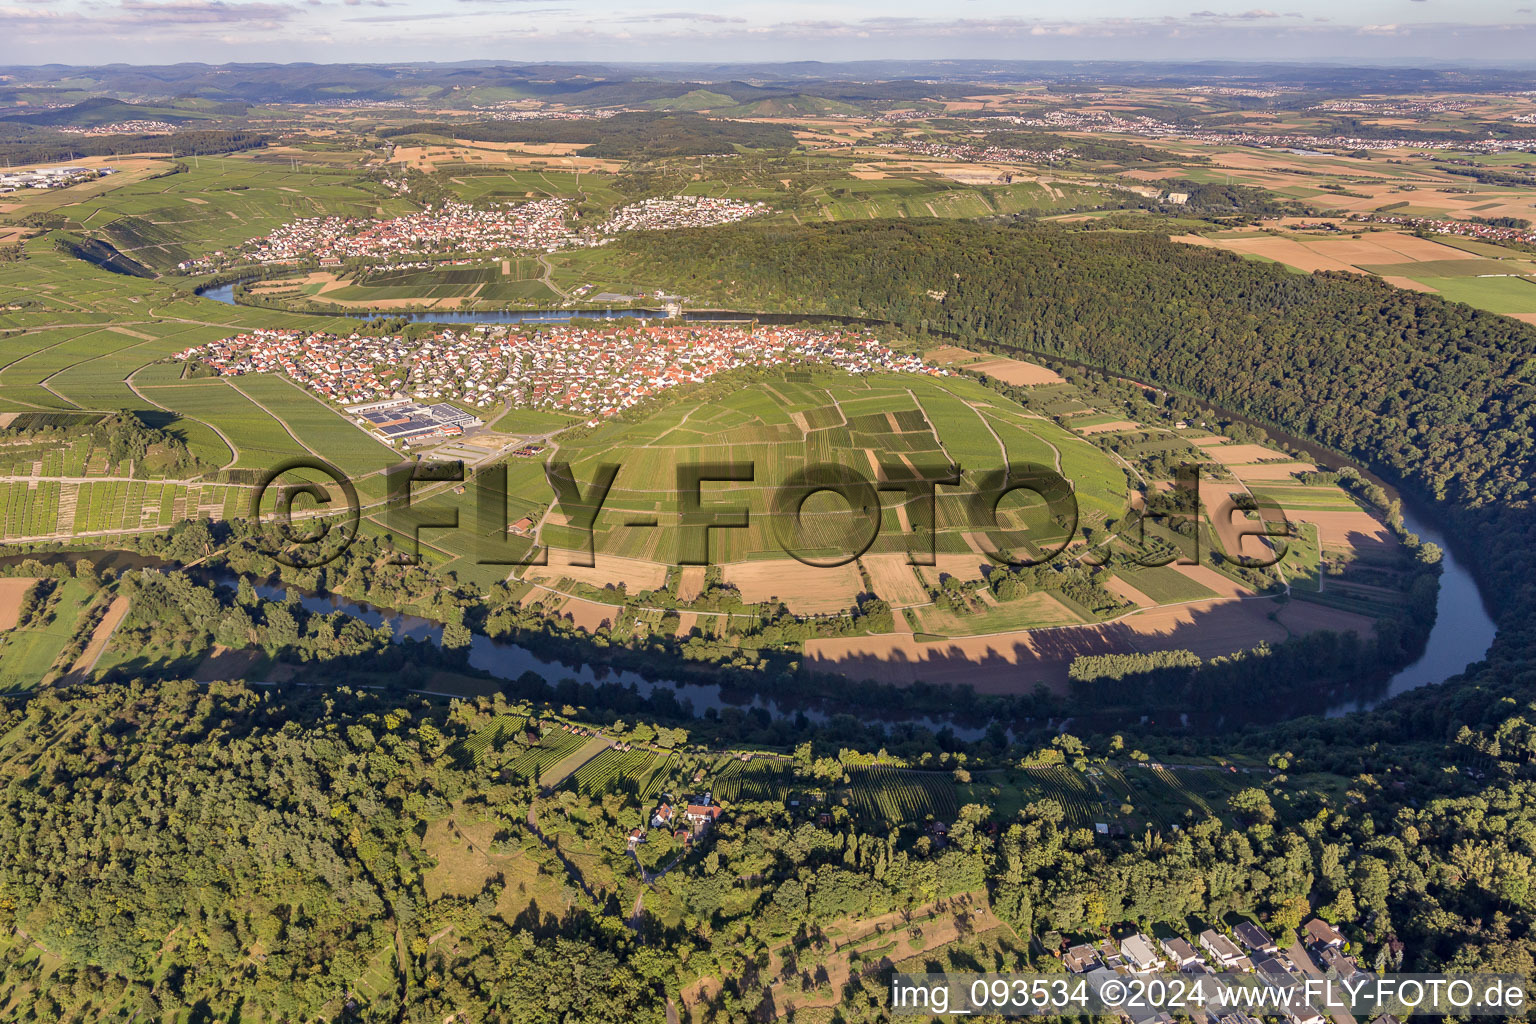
(86, 663)
(548, 279)
(280, 421)
(233, 451)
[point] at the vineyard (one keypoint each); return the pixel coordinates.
(760, 779)
(554, 748)
(902, 795)
(648, 768)
(1077, 795)
(491, 736)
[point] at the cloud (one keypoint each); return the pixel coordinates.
(203, 12)
(714, 19)
(385, 19)
(1257, 14)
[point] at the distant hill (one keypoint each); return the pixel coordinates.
(622, 136)
(100, 110)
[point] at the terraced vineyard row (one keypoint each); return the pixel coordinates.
(758, 779)
(492, 735)
(643, 766)
(1072, 790)
(555, 748)
(900, 795)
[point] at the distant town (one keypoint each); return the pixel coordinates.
(540, 225)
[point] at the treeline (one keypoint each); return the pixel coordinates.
(1216, 199)
(1489, 175)
(55, 148)
(623, 136)
(123, 438)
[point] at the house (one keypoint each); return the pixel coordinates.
(1255, 938)
(701, 811)
(663, 817)
(1081, 958)
(1318, 932)
(1304, 1014)
(1335, 961)
(1272, 969)
(1109, 954)
(1140, 953)
(1179, 951)
(1222, 949)
(636, 837)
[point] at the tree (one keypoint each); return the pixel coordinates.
(456, 636)
(1252, 806)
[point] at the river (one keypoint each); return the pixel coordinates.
(225, 293)
(1461, 635)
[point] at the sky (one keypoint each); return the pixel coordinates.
(218, 31)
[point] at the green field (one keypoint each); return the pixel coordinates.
(1495, 294)
(780, 426)
(27, 653)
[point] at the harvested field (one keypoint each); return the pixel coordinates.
(690, 584)
(804, 589)
(1408, 282)
(588, 615)
(1108, 428)
(1346, 254)
(81, 670)
(1123, 590)
(1305, 617)
(224, 663)
(950, 354)
(636, 574)
(1013, 662)
(893, 579)
(1212, 580)
(962, 567)
(1232, 525)
(1354, 530)
(1018, 661)
(12, 590)
(1208, 628)
(1243, 454)
(1017, 371)
(1273, 470)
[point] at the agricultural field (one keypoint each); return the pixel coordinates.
(29, 649)
(492, 285)
(1494, 278)
(780, 426)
